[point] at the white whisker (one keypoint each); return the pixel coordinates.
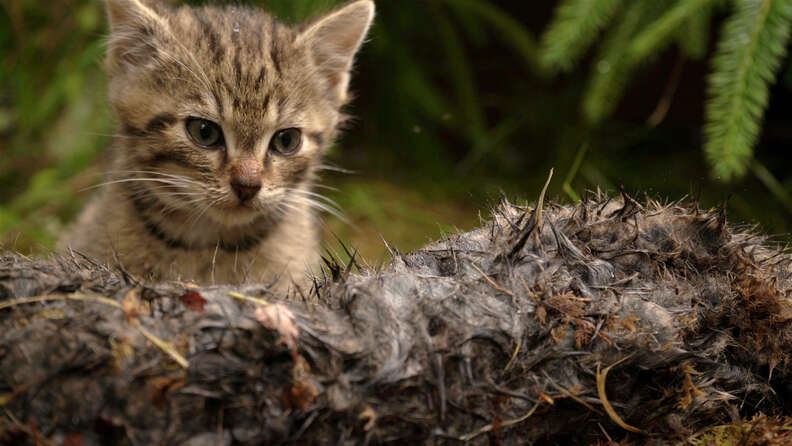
(332, 168)
(311, 203)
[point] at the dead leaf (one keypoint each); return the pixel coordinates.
(131, 305)
(193, 301)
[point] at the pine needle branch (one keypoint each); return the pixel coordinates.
(573, 29)
(750, 51)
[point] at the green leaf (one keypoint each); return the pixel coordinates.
(750, 51)
(573, 30)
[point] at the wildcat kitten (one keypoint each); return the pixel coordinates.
(224, 116)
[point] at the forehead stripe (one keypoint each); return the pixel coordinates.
(160, 122)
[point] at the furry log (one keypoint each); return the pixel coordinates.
(572, 325)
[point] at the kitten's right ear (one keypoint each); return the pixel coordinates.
(133, 24)
(333, 41)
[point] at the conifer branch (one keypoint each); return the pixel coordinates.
(573, 29)
(750, 51)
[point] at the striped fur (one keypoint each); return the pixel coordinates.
(169, 208)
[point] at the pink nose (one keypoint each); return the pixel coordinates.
(245, 191)
(246, 179)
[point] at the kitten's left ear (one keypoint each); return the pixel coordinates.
(333, 41)
(134, 24)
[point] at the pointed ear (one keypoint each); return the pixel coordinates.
(133, 24)
(333, 41)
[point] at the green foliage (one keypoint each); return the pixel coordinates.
(454, 98)
(514, 33)
(751, 49)
(658, 34)
(614, 64)
(54, 108)
(752, 46)
(693, 35)
(575, 26)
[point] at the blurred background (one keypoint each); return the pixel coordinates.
(458, 104)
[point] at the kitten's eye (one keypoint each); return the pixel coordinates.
(205, 133)
(287, 141)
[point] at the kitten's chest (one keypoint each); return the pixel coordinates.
(288, 254)
(208, 266)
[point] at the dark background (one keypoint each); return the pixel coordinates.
(452, 113)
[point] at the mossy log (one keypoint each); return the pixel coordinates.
(572, 325)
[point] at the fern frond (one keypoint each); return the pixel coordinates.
(750, 51)
(661, 32)
(573, 29)
(613, 65)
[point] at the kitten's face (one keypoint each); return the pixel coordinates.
(225, 110)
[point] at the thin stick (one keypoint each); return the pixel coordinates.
(261, 302)
(37, 299)
(604, 398)
(492, 282)
(511, 360)
(505, 424)
(164, 346)
(540, 203)
(576, 398)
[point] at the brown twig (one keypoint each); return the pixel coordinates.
(504, 425)
(492, 282)
(601, 376)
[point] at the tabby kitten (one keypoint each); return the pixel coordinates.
(224, 116)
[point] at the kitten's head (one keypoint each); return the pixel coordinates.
(225, 108)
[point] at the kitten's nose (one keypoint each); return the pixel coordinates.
(245, 191)
(246, 179)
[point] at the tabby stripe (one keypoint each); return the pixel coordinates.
(160, 122)
(317, 137)
(143, 205)
(179, 159)
(275, 50)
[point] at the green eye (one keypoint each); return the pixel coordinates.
(287, 141)
(205, 133)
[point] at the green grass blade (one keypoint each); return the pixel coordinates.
(513, 32)
(772, 184)
(462, 76)
(612, 68)
(573, 30)
(693, 36)
(750, 52)
(660, 33)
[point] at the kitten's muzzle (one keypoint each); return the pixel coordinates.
(245, 192)
(246, 179)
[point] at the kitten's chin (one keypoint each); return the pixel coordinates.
(235, 216)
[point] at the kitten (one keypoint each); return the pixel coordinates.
(224, 116)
